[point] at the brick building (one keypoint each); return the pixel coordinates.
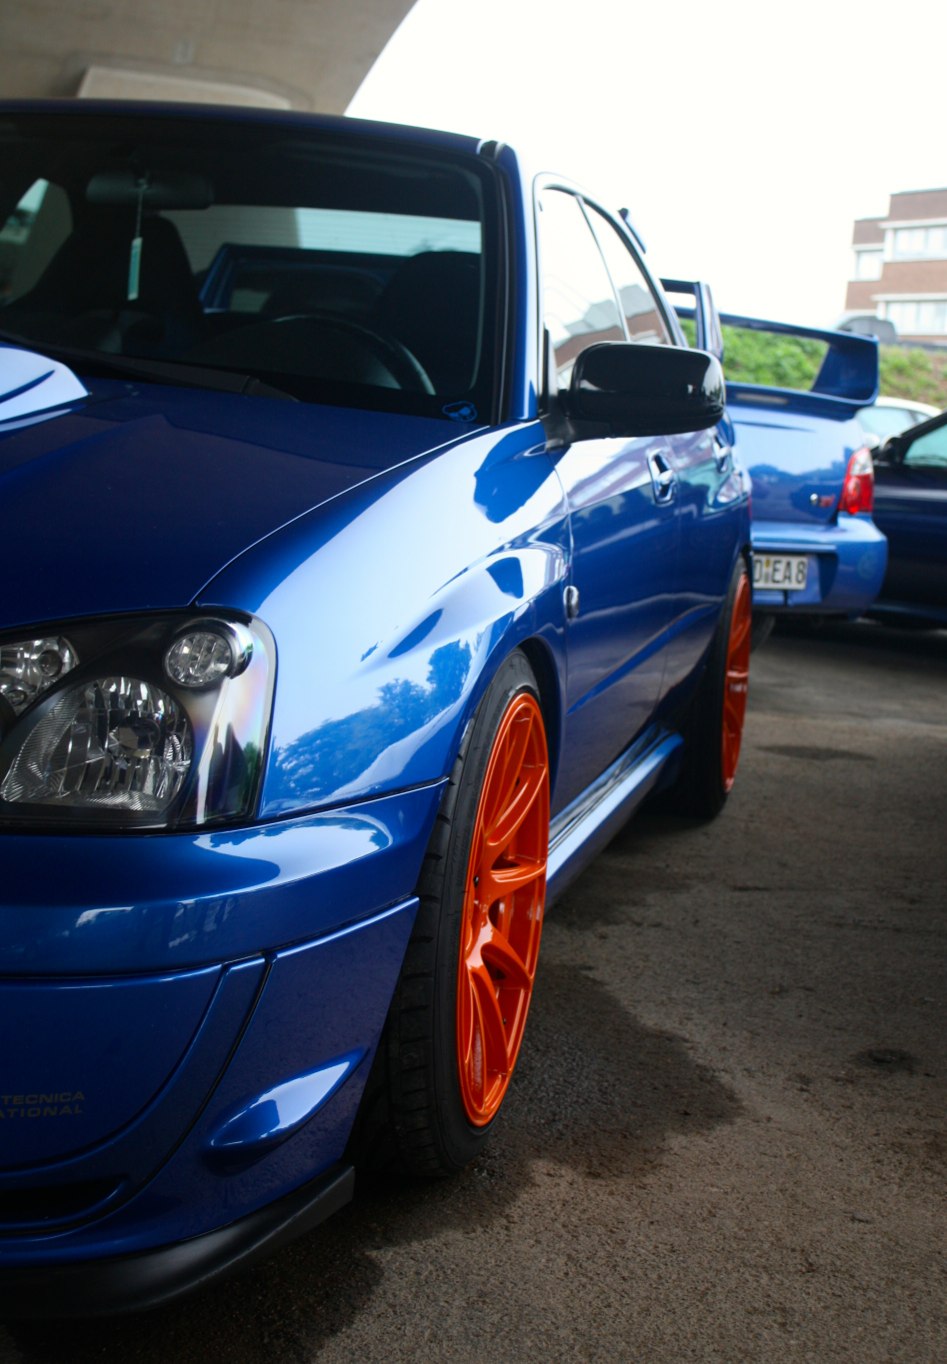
(901, 266)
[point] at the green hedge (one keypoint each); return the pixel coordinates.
(753, 357)
(917, 374)
(793, 362)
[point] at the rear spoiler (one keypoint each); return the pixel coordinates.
(849, 368)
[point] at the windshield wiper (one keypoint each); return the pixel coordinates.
(136, 367)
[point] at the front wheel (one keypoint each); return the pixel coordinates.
(457, 1019)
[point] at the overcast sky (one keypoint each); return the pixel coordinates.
(744, 135)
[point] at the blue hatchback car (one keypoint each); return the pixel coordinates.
(370, 553)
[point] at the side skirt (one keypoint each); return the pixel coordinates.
(583, 828)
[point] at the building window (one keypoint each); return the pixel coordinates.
(869, 264)
(918, 316)
(912, 243)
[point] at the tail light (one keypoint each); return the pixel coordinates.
(858, 490)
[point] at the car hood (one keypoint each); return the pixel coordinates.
(134, 498)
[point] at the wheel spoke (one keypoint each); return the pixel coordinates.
(502, 882)
(517, 809)
(501, 956)
(508, 772)
(736, 682)
(742, 628)
(503, 904)
(488, 1022)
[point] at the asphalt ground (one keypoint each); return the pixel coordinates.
(726, 1137)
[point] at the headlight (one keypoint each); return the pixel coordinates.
(31, 666)
(156, 723)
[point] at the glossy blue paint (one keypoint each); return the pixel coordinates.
(324, 1001)
(410, 647)
(713, 488)
(624, 549)
(116, 1127)
(796, 448)
(797, 452)
(396, 556)
(202, 476)
(166, 902)
(847, 563)
(71, 1030)
(281, 1110)
(795, 445)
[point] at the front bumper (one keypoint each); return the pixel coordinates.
(152, 1278)
(847, 561)
(195, 1018)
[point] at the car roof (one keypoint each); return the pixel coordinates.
(909, 404)
(288, 118)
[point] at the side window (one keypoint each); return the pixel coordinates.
(642, 315)
(31, 236)
(928, 451)
(579, 305)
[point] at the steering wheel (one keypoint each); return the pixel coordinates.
(387, 351)
(317, 346)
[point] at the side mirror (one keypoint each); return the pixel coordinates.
(642, 390)
(885, 452)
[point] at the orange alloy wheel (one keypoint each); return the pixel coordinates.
(503, 909)
(737, 682)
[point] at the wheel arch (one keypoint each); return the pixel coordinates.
(540, 659)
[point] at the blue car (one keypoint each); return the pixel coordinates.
(796, 397)
(371, 552)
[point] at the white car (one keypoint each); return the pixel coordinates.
(890, 416)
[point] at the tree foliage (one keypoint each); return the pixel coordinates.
(909, 372)
(753, 357)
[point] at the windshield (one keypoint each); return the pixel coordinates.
(335, 267)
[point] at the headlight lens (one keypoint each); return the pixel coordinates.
(116, 742)
(208, 651)
(31, 666)
(153, 724)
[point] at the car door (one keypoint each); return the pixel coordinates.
(711, 482)
(706, 482)
(623, 509)
(911, 509)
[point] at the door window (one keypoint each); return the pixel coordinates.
(579, 304)
(643, 317)
(928, 451)
(31, 236)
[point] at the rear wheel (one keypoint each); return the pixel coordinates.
(714, 731)
(457, 1019)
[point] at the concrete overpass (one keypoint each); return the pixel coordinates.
(294, 54)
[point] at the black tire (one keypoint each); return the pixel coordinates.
(714, 726)
(415, 1115)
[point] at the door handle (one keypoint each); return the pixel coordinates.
(663, 479)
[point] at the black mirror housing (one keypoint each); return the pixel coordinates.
(643, 390)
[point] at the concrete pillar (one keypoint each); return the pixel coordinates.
(300, 54)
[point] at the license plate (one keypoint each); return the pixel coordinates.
(785, 572)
